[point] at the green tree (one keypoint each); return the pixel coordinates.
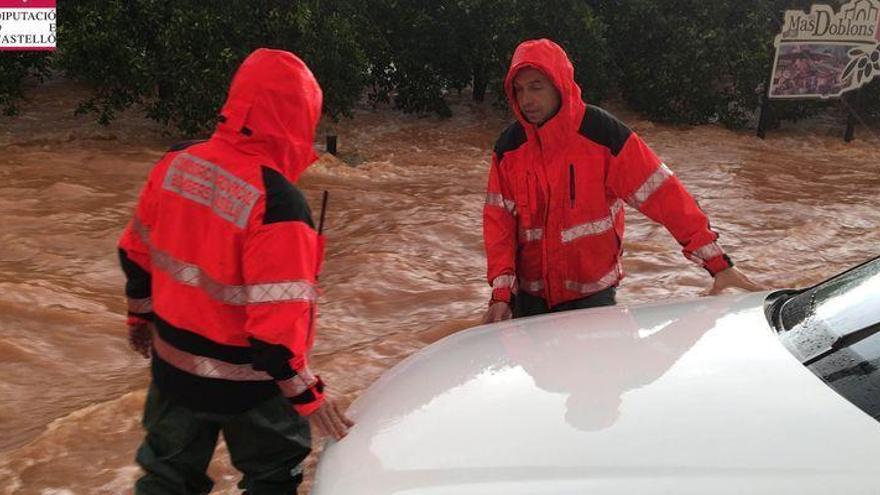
(576, 27)
(103, 43)
(691, 61)
(688, 61)
(418, 52)
(15, 67)
(408, 52)
(479, 28)
(175, 59)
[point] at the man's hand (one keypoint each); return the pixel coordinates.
(140, 338)
(498, 311)
(732, 277)
(330, 420)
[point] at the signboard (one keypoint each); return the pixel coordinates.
(823, 54)
(27, 25)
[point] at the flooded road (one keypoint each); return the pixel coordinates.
(404, 266)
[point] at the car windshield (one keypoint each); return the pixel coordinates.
(834, 329)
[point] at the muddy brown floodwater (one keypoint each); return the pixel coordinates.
(404, 267)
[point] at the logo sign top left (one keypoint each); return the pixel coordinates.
(27, 25)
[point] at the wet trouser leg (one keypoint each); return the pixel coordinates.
(525, 304)
(267, 444)
(177, 449)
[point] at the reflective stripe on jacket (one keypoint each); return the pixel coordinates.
(553, 222)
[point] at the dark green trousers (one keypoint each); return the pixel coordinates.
(267, 444)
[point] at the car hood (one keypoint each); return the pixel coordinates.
(682, 397)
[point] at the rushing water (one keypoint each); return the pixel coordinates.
(404, 266)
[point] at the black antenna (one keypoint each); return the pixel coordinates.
(323, 212)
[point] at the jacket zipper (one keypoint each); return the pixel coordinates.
(571, 184)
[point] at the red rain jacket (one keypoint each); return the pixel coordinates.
(222, 252)
(553, 221)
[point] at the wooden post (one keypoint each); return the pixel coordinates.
(324, 199)
(764, 117)
(850, 133)
(331, 144)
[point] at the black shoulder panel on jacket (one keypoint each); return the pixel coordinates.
(185, 144)
(512, 138)
(284, 202)
(603, 128)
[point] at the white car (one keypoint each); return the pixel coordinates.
(708, 396)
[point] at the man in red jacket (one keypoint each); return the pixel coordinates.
(221, 260)
(553, 220)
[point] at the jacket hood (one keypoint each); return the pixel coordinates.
(272, 109)
(551, 59)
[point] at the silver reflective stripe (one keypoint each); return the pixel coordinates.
(650, 186)
(529, 235)
(606, 281)
(706, 253)
(144, 305)
(503, 282)
(533, 285)
(229, 197)
(595, 227)
(142, 231)
(297, 384)
(206, 367)
(193, 276)
(299, 290)
(496, 199)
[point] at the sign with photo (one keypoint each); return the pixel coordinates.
(823, 53)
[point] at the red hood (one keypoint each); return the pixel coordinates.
(551, 59)
(276, 97)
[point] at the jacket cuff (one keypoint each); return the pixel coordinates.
(134, 320)
(304, 391)
(503, 287)
(501, 295)
(141, 308)
(310, 400)
(718, 264)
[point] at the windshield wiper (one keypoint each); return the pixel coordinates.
(843, 342)
(773, 307)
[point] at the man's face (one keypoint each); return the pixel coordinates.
(536, 96)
